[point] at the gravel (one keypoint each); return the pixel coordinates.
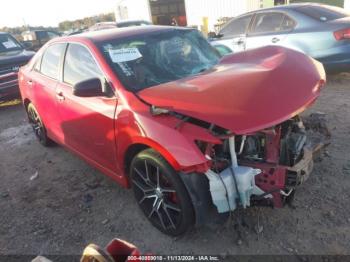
(71, 204)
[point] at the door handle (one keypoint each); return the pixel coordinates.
(239, 41)
(60, 96)
(30, 82)
(275, 40)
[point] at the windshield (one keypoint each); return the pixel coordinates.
(323, 13)
(8, 43)
(144, 61)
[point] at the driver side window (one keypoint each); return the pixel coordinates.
(237, 26)
(79, 65)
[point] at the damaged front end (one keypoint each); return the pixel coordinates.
(251, 103)
(262, 168)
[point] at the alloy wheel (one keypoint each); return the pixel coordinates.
(36, 123)
(156, 195)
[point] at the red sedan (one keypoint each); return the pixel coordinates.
(158, 110)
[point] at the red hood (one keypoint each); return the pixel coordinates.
(245, 92)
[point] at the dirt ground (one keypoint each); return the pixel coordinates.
(52, 202)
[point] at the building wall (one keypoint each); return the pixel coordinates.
(254, 4)
(198, 10)
(347, 5)
(270, 3)
(133, 10)
(203, 14)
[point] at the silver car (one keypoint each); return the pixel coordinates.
(321, 31)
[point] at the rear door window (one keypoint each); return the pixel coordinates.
(79, 65)
(50, 64)
(265, 23)
(237, 26)
(268, 23)
(288, 24)
(323, 13)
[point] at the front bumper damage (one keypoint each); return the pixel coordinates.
(270, 181)
(279, 182)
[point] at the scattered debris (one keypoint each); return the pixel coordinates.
(317, 131)
(35, 176)
(316, 233)
(317, 122)
(258, 229)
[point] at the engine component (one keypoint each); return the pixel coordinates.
(234, 185)
(262, 168)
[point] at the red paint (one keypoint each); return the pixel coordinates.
(246, 92)
(273, 141)
(121, 250)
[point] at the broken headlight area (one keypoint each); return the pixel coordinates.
(261, 168)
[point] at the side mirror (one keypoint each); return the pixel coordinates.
(88, 88)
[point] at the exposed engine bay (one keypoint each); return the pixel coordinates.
(262, 168)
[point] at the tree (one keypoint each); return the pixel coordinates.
(85, 22)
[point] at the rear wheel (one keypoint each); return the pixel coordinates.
(38, 126)
(160, 193)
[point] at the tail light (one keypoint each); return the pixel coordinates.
(342, 34)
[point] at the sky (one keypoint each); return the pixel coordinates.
(50, 12)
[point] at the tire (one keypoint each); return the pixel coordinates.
(164, 201)
(38, 126)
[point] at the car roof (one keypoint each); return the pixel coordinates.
(132, 21)
(106, 23)
(115, 33)
(287, 7)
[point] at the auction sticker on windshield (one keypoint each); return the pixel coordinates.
(9, 44)
(124, 54)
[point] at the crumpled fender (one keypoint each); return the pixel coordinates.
(162, 133)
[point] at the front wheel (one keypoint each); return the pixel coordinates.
(38, 126)
(161, 194)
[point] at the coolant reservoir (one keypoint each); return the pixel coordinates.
(220, 183)
(246, 183)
